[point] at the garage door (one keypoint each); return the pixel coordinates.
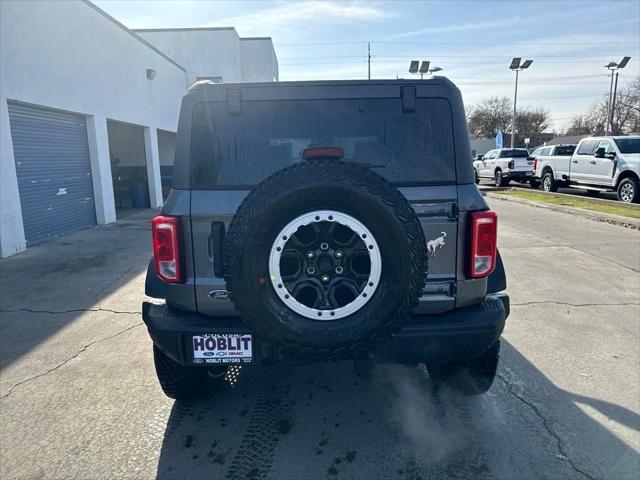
(53, 169)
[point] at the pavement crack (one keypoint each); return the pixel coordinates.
(568, 304)
(63, 363)
(545, 424)
(113, 282)
(75, 310)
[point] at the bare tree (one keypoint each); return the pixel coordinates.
(580, 125)
(491, 115)
(531, 122)
(626, 115)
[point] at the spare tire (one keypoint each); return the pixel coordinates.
(326, 255)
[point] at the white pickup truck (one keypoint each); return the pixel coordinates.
(503, 165)
(597, 164)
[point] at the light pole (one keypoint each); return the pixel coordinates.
(613, 90)
(433, 70)
(515, 66)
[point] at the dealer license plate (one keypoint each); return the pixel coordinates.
(222, 348)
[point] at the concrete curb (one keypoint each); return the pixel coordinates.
(599, 217)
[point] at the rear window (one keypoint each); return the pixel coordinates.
(565, 151)
(242, 150)
(514, 153)
(628, 145)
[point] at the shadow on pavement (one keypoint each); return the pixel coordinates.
(324, 421)
(51, 284)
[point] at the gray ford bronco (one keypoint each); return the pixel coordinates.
(320, 221)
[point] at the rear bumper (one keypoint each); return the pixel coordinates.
(518, 175)
(458, 335)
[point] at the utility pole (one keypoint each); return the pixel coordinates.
(369, 60)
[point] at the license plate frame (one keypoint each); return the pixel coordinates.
(222, 348)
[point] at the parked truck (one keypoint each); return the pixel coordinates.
(503, 165)
(598, 164)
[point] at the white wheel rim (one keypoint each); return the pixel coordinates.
(370, 285)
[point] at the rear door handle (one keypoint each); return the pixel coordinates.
(574, 161)
(593, 162)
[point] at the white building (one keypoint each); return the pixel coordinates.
(197, 49)
(89, 109)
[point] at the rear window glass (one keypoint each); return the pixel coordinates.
(565, 151)
(514, 153)
(242, 150)
(587, 147)
(628, 145)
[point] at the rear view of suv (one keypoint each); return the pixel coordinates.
(319, 221)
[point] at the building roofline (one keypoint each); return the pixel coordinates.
(256, 38)
(133, 34)
(185, 29)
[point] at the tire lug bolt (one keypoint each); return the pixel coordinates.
(339, 253)
(310, 254)
(324, 246)
(311, 270)
(339, 270)
(325, 278)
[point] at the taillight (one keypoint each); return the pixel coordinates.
(511, 163)
(484, 234)
(535, 163)
(166, 248)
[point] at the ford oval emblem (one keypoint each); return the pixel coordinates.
(219, 294)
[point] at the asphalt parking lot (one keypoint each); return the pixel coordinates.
(79, 397)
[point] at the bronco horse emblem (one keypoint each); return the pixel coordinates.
(436, 243)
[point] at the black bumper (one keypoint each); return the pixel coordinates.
(518, 175)
(458, 335)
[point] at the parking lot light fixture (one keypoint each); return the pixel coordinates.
(424, 68)
(611, 106)
(433, 70)
(516, 67)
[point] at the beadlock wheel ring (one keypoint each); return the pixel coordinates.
(316, 217)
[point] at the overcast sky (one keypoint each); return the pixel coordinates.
(473, 42)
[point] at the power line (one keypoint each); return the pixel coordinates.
(599, 57)
(391, 42)
(500, 43)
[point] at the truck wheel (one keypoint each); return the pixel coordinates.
(549, 183)
(179, 382)
(475, 174)
(534, 183)
(628, 190)
(499, 180)
(468, 378)
(323, 257)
